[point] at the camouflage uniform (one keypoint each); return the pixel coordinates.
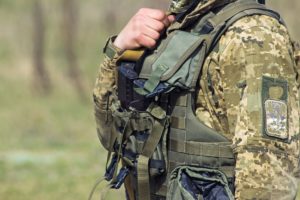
(247, 82)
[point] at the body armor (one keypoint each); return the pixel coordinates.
(157, 135)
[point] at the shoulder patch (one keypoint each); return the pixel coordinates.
(275, 109)
(276, 119)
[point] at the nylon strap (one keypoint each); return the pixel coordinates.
(154, 138)
(234, 9)
(235, 12)
(178, 159)
(97, 183)
(154, 80)
(178, 122)
(222, 150)
(143, 178)
(143, 160)
(244, 13)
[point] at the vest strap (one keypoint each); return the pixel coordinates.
(223, 16)
(154, 137)
(220, 150)
(143, 178)
(180, 159)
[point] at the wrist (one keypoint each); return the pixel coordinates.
(117, 43)
(111, 50)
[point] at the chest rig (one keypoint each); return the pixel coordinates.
(155, 127)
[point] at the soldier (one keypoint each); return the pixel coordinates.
(246, 101)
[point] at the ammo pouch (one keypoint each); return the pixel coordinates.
(155, 123)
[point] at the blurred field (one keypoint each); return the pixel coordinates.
(48, 144)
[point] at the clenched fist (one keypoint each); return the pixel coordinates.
(143, 29)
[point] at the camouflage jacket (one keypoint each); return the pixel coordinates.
(248, 92)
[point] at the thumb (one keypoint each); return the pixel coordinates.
(171, 18)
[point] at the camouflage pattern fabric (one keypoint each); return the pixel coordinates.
(231, 100)
(178, 6)
(105, 86)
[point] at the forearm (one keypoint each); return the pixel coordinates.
(105, 84)
(102, 94)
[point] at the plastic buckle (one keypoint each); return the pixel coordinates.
(124, 171)
(111, 168)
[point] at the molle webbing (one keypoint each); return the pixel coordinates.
(176, 67)
(189, 142)
(192, 143)
(197, 144)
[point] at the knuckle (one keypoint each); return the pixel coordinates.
(156, 36)
(160, 26)
(139, 37)
(160, 14)
(151, 43)
(142, 10)
(137, 23)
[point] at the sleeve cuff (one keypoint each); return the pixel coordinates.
(110, 50)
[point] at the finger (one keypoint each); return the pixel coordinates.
(171, 18)
(146, 41)
(154, 34)
(154, 24)
(153, 13)
(168, 20)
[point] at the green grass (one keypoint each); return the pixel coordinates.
(49, 148)
(48, 144)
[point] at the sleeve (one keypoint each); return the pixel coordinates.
(258, 80)
(102, 95)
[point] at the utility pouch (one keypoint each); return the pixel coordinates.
(194, 183)
(170, 67)
(128, 97)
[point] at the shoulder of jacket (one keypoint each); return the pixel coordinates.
(248, 22)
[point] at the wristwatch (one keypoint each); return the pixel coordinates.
(110, 50)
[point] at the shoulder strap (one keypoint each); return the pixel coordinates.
(232, 13)
(217, 24)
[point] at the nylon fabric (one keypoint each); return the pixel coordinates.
(192, 183)
(143, 180)
(144, 134)
(178, 68)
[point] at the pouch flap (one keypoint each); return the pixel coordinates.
(177, 50)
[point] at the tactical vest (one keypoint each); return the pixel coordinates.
(157, 133)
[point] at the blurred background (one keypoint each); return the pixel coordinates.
(49, 56)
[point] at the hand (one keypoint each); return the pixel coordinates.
(143, 29)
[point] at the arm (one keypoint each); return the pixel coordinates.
(142, 30)
(262, 103)
(104, 87)
(252, 78)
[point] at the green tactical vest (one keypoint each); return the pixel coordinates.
(163, 143)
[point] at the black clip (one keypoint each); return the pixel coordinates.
(111, 168)
(124, 171)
